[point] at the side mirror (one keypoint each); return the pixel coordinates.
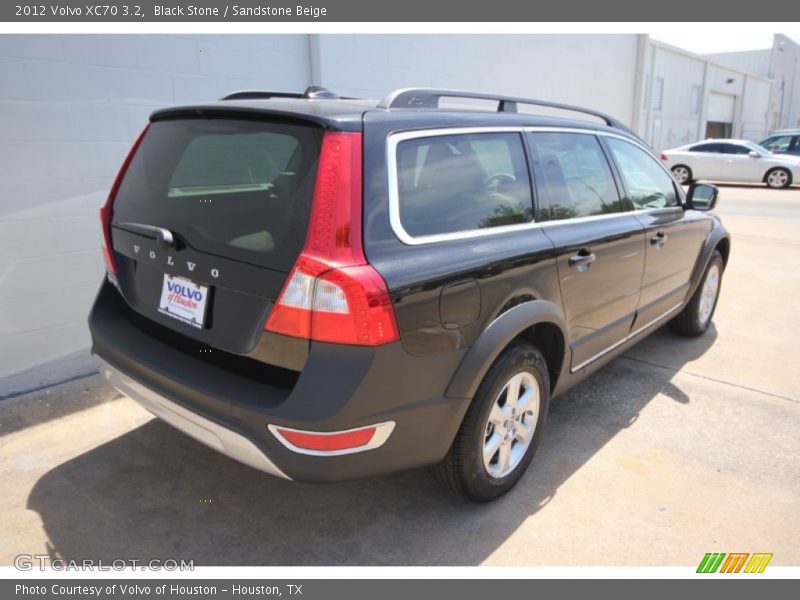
(702, 196)
(753, 154)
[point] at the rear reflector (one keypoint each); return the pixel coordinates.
(335, 442)
(326, 443)
(106, 211)
(333, 294)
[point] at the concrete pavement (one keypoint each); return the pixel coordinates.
(679, 448)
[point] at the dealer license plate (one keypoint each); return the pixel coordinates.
(183, 300)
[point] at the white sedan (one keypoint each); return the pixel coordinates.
(731, 160)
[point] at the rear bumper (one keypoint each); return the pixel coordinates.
(340, 388)
(204, 430)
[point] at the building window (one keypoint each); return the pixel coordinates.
(694, 100)
(658, 93)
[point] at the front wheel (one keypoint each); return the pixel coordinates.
(778, 178)
(696, 316)
(502, 427)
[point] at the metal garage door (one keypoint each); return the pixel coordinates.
(720, 107)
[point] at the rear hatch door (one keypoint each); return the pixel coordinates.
(209, 220)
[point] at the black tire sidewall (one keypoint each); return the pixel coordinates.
(480, 484)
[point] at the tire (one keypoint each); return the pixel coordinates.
(778, 178)
(464, 470)
(696, 316)
(682, 174)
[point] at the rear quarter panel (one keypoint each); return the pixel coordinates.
(475, 279)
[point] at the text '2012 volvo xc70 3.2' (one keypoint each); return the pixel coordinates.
(327, 288)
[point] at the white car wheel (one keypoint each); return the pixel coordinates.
(778, 178)
(681, 174)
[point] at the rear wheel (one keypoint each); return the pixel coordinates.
(682, 174)
(696, 316)
(502, 427)
(778, 178)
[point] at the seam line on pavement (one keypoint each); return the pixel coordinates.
(12, 395)
(736, 385)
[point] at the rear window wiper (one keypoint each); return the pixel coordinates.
(166, 237)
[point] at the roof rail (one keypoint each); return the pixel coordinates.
(429, 98)
(313, 92)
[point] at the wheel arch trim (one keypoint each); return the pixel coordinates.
(497, 336)
(717, 236)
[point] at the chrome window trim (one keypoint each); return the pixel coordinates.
(592, 218)
(392, 142)
(395, 222)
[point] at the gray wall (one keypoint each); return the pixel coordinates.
(757, 62)
(786, 72)
(70, 107)
(589, 70)
(781, 64)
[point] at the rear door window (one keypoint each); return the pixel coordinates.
(454, 183)
(708, 148)
(573, 176)
(734, 149)
(235, 188)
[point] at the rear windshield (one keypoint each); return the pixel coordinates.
(235, 188)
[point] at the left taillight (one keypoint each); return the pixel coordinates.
(106, 211)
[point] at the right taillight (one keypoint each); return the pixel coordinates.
(332, 293)
(663, 156)
(106, 211)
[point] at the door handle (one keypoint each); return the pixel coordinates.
(582, 260)
(658, 239)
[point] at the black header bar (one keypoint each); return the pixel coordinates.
(440, 11)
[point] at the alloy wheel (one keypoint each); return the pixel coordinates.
(777, 179)
(708, 297)
(511, 424)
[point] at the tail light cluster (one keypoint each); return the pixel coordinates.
(106, 211)
(663, 156)
(332, 293)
